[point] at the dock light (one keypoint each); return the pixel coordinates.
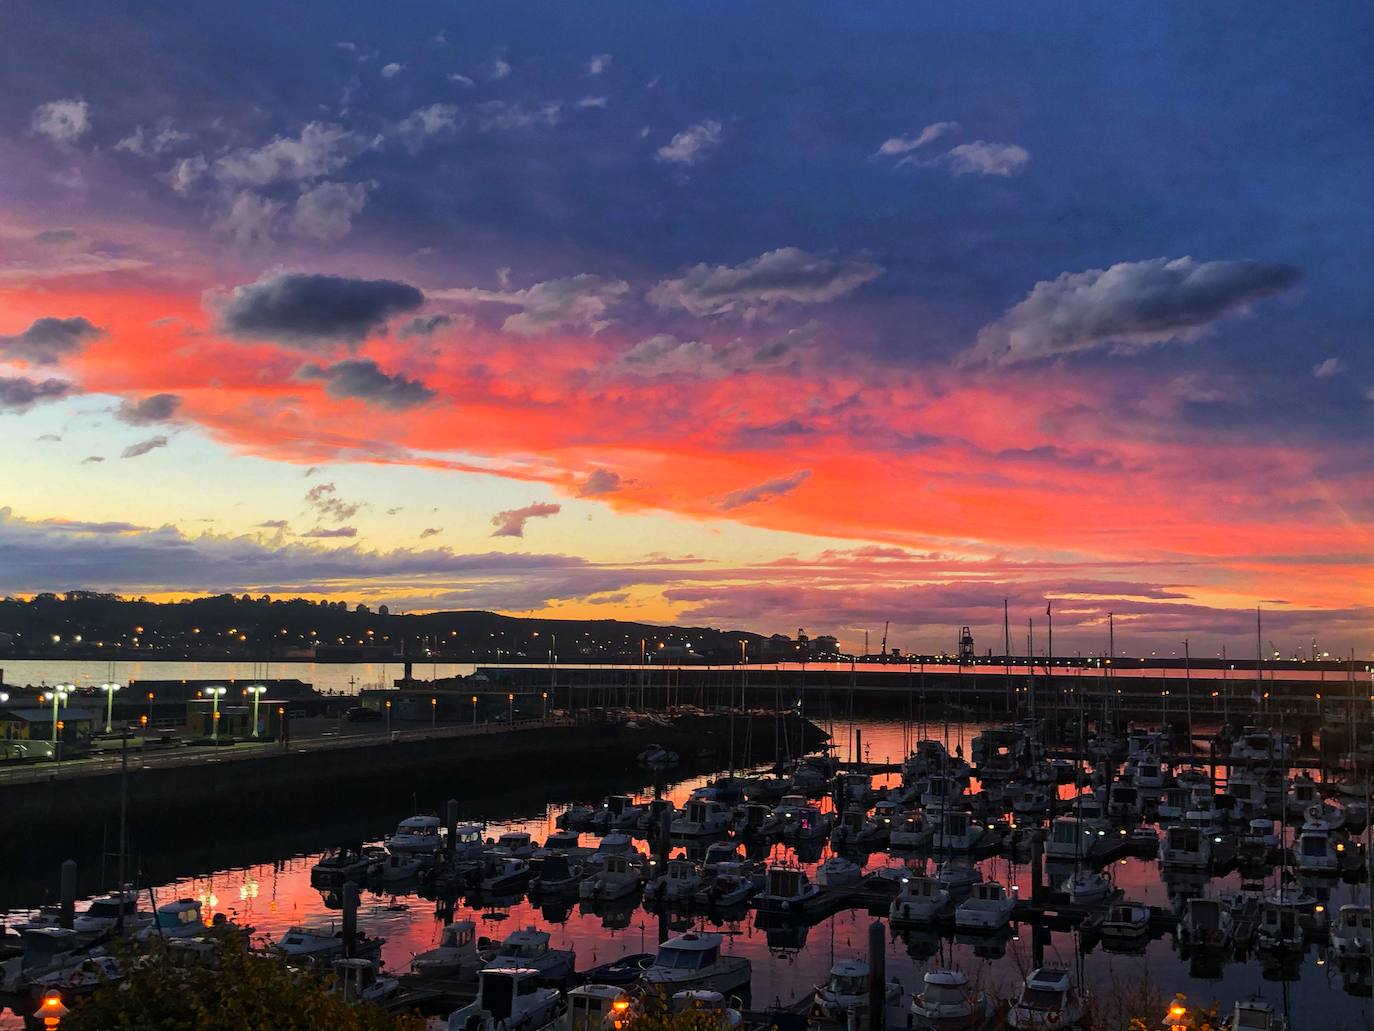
(256, 691)
(433, 712)
(510, 701)
(109, 690)
(1179, 1018)
(1320, 908)
(4, 697)
(52, 1009)
(215, 694)
(55, 696)
(1340, 846)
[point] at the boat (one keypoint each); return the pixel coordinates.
(710, 1006)
(454, 958)
(988, 908)
(920, 900)
(595, 1007)
(1126, 923)
(179, 919)
(81, 979)
(947, 1002)
(846, 993)
(1146, 773)
(42, 951)
(731, 885)
(344, 864)
(839, 872)
(1255, 1015)
(649, 823)
(694, 960)
(102, 915)
(911, 831)
(1048, 999)
(940, 793)
(508, 999)
(503, 874)
(1187, 847)
(1031, 803)
(1123, 802)
(677, 884)
(402, 866)
(701, 818)
(1087, 887)
(1262, 745)
(856, 830)
(958, 878)
(657, 755)
(749, 819)
(1320, 852)
(618, 812)
(557, 874)
(809, 824)
(416, 834)
(1259, 837)
(620, 972)
(467, 842)
(1280, 925)
(361, 980)
(1206, 924)
(1071, 838)
(959, 832)
(787, 889)
(320, 946)
(720, 852)
(853, 790)
(528, 949)
(516, 843)
(617, 878)
(1350, 934)
(576, 818)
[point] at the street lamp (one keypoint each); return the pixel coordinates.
(433, 712)
(58, 694)
(215, 694)
(109, 690)
(474, 710)
(256, 691)
(150, 707)
(52, 1011)
(388, 715)
(510, 701)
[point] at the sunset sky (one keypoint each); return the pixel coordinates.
(749, 315)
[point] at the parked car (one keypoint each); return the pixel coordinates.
(362, 714)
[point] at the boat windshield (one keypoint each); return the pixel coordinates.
(498, 991)
(1248, 1019)
(943, 995)
(1314, 844)
(670, 958)
(108, 909)
(848, 984)
(1042, 998)
(173, 918)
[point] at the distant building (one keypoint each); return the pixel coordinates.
(36, 724)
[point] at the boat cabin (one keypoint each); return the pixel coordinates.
(595, 1007)
(689, 951)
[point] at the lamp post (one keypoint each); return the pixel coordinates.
(388, 715)
(510, 701)
(256, 691)
(433, 713)
(474, 712)
(109, 690)
(546, 706)
(52, 1010)
(215, 694)
(58, 694)
(150, 708)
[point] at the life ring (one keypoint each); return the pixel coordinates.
(1052, 1018)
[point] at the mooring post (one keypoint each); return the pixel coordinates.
(68, 894)
(452, 815)
(877, 976)
(350, 918)
(665, 839)
(858, 745)
(1037, 867)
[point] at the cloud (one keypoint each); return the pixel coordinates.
(48, 438)
(592, 102)
(56, 236)
(390, 71)
(511, 523)
(787, 275)
(599, 483)
(424, 325)
(983, 158)
(496, 115)
(154, 409)
(338, 531)
(274, 524)
(774, 488)
(305, 310)
(325, 212)
(692, 144)
(665, 355)
(324, 499)
(458, 79)
(1130, 305)
(431, 531)
(361, 378)
(143, 447)
(184, 174)
(320, 150)
(896, 145)
(424, 123)
(19, 393)
(577, 303)
(1328, 368)
(62, 121)
(151, 143)
(499, 68)
(249, 220)
(91, 459)
(598, 64)
(48, 340)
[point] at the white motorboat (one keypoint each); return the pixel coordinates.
(558, 874)
(731, 885)
(1186, 847)
(911, 831)
(1280, 926)
(650, 821)
(1261, 744)
(1320, 852)
(44, 950)
(455, 957)
(988, 908)
(856, 830)
(1303, 793)
(1126, 924)
(595, 1007)
(467, 842)
(657, 755)
(618, 812)
(516, 843)
(1071, 838)
(920, 900)
(960, 832)
(403, 866)
(528, 949)
(958, 878)
(701, 818)
(810, 824)
(940, 793)
(720, 852)
(677, 884)
(361, 980)
(344, 864)
(617, 878)
(1123, 801)
(749, 819)
(1255, 1015)
(1086, 887)
(508, 999)
(1048, 999)
(1146, 773)
(839, 872)
(846, 992)
(694, 960)
(1350, 934)
(320, 946)
(102, 915)
(416, 834)
(179, 919)
(78, 980)
(947, 1002)
(1206, 924)
(503, 874)
(1259, 837)
(787, 889)
(710, 1005)
(1031, 803)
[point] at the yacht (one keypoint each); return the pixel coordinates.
(649, 823)
(320, 946)
(731, 885)
(853, 790)
(1259, 837)
(810, 824)
(1206, 924)
(1048, 999)
(467, 842)
(402, 866)
(720, 852)
(787, 889)
(1032, 803)
(416, 834)
(940, 793)
(1186, 847)
(749, 819)
(44, 950)
(920, 900)
(1147, 773)
(362, 980)
(657, 755)
(344, 864)
(959, 832)
(179, 919)
(595, 1007)
(1126, 924)
(1261, 745)
(503, 874)
(516, 843)
(557, 874)
(508, 999)
(1319, 852)
(1280, 925)
(701, 818)
(1087, 887)
(847, 992)
(1123, 802)
(677, 884)
(617, 878)
(78, 980)
(694, 960)
(454, 958)
(707, 1005)
(528, 949)
(911, 831)
(1350, 934)
(958, 878)
(839, 872)
(947, 1002)
(576, 818)
(1071, 838)
(856, 830)
(102, 915)
(988, 908)
(618, 812)
(1255, 1015)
